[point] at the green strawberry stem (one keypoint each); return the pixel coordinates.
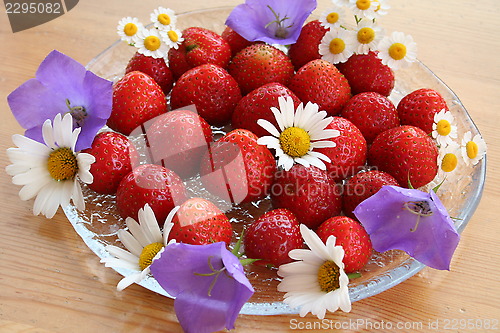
(353, 276)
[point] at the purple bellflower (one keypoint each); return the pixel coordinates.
(62, 85)
(270, 21)
(410, 220)
(208, 282)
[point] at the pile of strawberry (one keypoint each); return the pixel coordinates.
(233, 83)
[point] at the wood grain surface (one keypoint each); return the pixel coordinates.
(51, 282)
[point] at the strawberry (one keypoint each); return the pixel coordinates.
(199, 222)
(257, 105)
(156, 68)
(259, 64)
(372, 113)
(362, 186)
(210, 87)
(352, 237)
(306, 48)
(308, 192)
(349, 155)
(320, 82)
(150, 184)
(237, 169)
(419, 107)
(235, 40)
(200, 46)
(136, 99)
(113, 156)
(272, 236)
(365, 72)
(407, 153)
(177, 140)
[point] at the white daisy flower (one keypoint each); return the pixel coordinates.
(150, 43)
(397, 50)
(50, 171)
(172, 37)
(342, 3)
(364, 8)
(144, 242)
(382, 7)
(317, 281)
(127, 29)
(333, 17)
(473, 148)
(163, 18)
(448, 157)
(368, 36)
(300, 132)
(337, 45)
(444, 129)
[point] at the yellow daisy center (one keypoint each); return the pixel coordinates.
(62, 164)
(148, 253)
(173, 36)
(366, 35)
(152, 43)
(363, 4)
(397, 51)
(164, 19)
(337, 46)
(332, 18)
(443, 127)
(472, 149)
(449, 162)
(329, 276)
(130, 29)
(295, 141)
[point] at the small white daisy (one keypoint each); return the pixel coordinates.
(397, 50)
(50, 171)
(333, 17)
(337, 45)
(368, 36)
(144, 242)
(342, 3)
(317, 281)
(172, 37)
(150, 43)
(473, 148)
(364, 8)
(444, 129)
(163, 18)
(382, 7)
(127, 29)
(448, 157)
(300, 132)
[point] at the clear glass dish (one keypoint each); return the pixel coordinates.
(461, 192)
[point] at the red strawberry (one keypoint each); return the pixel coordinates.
(352, 237)
(306, 48)
(156, 68)
(150, 184)
(419, 107)
(238, 169)
(235, 40)
(362, 186)
(177, 140)
(365, 72)
(320, 82)
(199, 222)
(372, 113)
(136, 99)
(308, 192)
(257, 105)
(407, 153)
(349, 155)
(272, 236)
(259, 64)
(210, 87)
(113, 154)
(200, 46)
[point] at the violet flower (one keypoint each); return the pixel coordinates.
(412, 221)
(208, 282)
(270, 21)
(61, 86)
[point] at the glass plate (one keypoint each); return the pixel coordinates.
(460, 194)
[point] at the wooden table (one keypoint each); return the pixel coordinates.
(50, 281)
